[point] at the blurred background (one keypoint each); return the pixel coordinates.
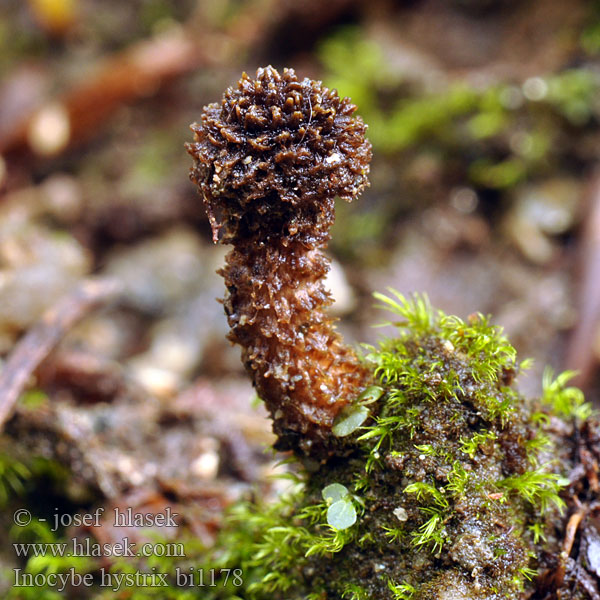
(485, 194)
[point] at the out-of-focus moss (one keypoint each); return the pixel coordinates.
(483, 124)
(30, 41)
(499, 175)
(491, 137)
(356, 233)
(13, 473)
(590, 36)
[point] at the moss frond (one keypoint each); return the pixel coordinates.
(401, 591)
(538, 486)
(416, 311)
(566, 402)
(13, 475)
(355, 592)
(472, 444)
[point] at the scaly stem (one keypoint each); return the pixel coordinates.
(269, 162)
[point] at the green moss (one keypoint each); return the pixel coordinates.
(441, 492)
(565, 402)
(590, 36)
(13, 474)
(446, 479)
(505, 133)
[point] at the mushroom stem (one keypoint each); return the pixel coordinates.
(269, 162)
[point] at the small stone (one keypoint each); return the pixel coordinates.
(160, 382)
(593, 549)
(50, 130)
(206, 466)
(341, 291)
(540, 212)
(401, 514)
(535, 89)
(161, 271)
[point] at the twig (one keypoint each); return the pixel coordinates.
(133, 73)
(580, 353)
(572, 527)
(140, 71)
(33, 348)
(567, 545)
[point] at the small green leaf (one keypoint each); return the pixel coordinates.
(32, 399)
(334, 492)
(349, 420)
(370, 395)
(341, 514)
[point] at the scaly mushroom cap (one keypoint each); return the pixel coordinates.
(273, 155)
(269, 162)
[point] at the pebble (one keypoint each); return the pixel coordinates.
(160, 271)
(39, 266)
(540, 212)
(341, 291)
(50, 130)
(401, 514)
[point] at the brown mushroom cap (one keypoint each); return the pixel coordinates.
(273, 155)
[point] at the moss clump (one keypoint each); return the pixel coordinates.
(448, 479)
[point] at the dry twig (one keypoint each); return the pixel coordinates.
(580, 353)
(33, 348)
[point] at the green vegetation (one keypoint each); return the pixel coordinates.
(12, 475)
(457, 116)
(441, 484)
(444, 467)
(566, 402)
(490, 136)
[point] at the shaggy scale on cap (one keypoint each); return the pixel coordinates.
(276, 152)
(269, 162)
